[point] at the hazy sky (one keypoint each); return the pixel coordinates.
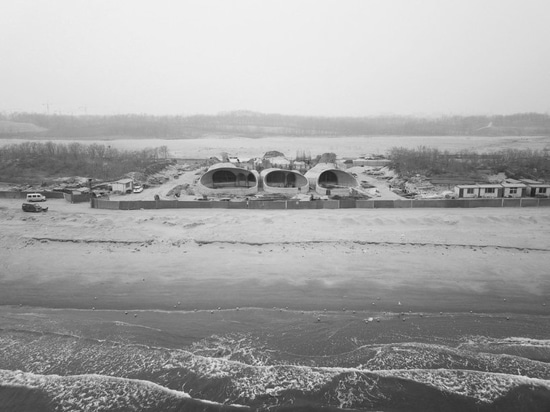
(318, 57)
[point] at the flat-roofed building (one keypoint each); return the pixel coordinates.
(538, 190)
(479, 190)
(513, 189)
(123, 185)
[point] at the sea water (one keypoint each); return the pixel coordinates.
(272, 359)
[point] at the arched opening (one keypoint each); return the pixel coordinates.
(290, 180)
(241, 179)
(275, 179)
(250, 180)
(223, 178)
(228, 180)
(328, 179)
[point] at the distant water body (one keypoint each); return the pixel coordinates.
(344, 146)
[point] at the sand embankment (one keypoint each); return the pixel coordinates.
(429, 260)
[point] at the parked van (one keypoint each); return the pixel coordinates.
(35, 197)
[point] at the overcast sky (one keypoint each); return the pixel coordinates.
(318, 57)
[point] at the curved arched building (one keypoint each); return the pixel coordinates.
(282, 181)
(228, 179)
(327, 180)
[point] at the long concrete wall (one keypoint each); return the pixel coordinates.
(320, 204)
(23, 195)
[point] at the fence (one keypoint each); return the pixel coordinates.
(320, 204)
(23, 195)
(77, 198)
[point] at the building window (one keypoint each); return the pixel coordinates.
(470, 191)
(542, 190)
(513, 190)
(490, 190)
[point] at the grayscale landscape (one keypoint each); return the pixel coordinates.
(275, 206)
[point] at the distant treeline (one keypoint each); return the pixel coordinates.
(40, 161)
(253, 124)
(532, 164)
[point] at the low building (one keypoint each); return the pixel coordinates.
(513, 189)
(279, 162)
(538, 190)
(285, 182)
(371, 162)
(327, 180)
(490, 190)
(466, 191)
(123, 185)
(477, 190)
(300, 166)
(227, 179)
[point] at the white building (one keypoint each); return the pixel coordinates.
(477, 190)
(538, 190)
(123, 185)
(227, 179)
(327, 180)
(490, 190)
(513, 189)
(278, 162)
(286, 182)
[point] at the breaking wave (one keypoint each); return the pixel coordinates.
(68, 373)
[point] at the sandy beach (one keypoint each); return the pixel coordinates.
(205, 309)
(429, 260)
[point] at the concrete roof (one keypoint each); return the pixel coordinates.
(224, 165)
(476, 186)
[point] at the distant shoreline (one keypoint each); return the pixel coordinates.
(343, 146)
